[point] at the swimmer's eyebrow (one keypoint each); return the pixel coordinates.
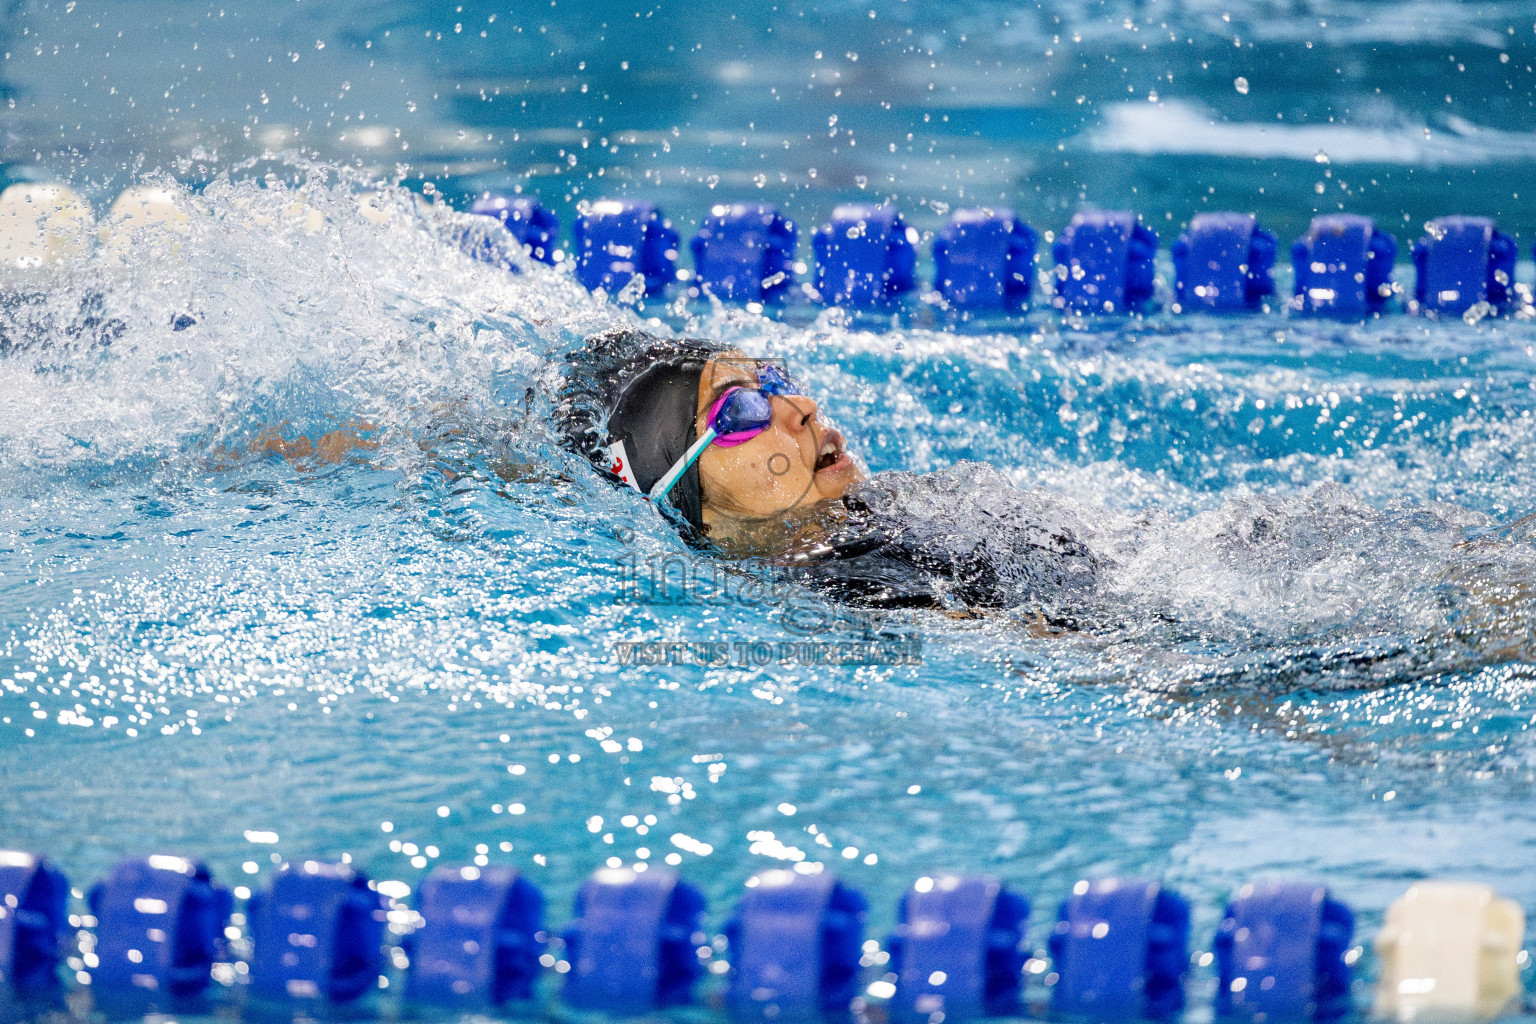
(724, 386)
(720, 389)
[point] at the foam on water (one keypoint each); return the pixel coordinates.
(283, 318)
(1298, 605)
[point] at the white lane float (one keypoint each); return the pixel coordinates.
(42, 228)
(1449, 951)
(142, 213)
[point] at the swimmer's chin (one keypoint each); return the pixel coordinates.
(803, 527)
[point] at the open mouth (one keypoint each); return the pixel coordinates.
(831, 450)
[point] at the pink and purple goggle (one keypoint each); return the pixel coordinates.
(737, 416)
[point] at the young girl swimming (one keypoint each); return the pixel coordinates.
(743, 464)
(735, 454)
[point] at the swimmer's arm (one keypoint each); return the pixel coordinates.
(330, 448)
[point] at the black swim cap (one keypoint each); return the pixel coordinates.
(628, 404)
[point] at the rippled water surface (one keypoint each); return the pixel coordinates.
(1312, 650)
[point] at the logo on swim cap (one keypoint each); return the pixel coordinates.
(618, 465)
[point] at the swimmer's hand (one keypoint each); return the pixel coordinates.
(331, 448)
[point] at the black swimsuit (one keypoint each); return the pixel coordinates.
(903, 546)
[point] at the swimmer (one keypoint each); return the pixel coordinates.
(737, 456)
(745, 466)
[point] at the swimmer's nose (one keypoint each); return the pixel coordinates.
(795, 412)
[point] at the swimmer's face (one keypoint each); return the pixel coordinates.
(798, 461)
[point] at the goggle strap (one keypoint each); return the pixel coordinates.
(673, 475)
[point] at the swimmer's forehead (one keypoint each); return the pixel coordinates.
(737, 367)
(732, 366)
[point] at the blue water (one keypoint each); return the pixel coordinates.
(1315, 650)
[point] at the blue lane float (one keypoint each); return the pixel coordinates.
(34, 924)
(985, 259)
(317, 934)
(1224, 263)
(633, 943)
(1461, 262)
(1120, 949)
(1282, 954)
(1105, 263)
(615, 239)
(479, 940)
(866, 255)
(795, 946)
(1343, 267)
(159, 927)
(744, 252)
(958, 949)
(526, 219)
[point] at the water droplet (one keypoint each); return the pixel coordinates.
(1241, 85)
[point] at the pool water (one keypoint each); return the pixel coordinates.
(1312, 654)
